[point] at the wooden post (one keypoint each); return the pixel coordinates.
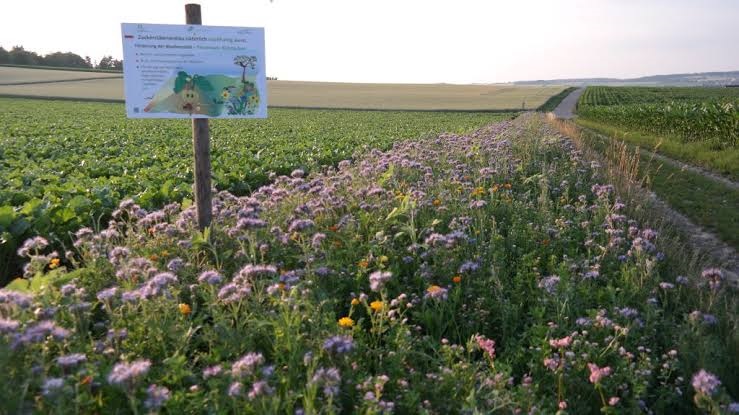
(200, 145)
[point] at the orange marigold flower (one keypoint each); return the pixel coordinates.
(153, 257)
(54, 263)
(86, 380)
(377, 305)
(346, 322)
(495, 188)
(333, 228)
(507, 186)
(436, 202)
(457, 279)
(363, 263)
(185, 309)
(433, 289)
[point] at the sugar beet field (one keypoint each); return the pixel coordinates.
(368, 262)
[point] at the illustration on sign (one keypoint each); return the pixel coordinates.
(194, 71)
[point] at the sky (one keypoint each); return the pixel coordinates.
(419, 41)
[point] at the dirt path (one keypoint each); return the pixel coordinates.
(566, 108)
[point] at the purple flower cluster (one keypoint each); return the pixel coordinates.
(339, 344)
(210, 277)
(378, 279)
(247, 365)
(40, 331)
(127, 374)
(705, 383)
(329, 379)
(156, 397)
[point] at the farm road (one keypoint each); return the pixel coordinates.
(566, 108)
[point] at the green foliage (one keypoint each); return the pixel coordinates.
(67, 165)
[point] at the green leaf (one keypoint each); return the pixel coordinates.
(7, 216)
(19, 284)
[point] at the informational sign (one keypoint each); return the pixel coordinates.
(193, 71)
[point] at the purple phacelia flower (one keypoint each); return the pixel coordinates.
(298, 225)
(71, 360)
(259, 388)
(378, 279)
(235, 389)
(156, 396)
(210, 277)
(212, 371)
(329, 379)
(175, 264)
(705, 383)
(247, 364)
(127, 374)
(107, 294)
(51, 386)
(338, 344)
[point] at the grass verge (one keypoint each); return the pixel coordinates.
(705, 202)
(724, 161)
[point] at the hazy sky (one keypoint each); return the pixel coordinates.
(422, 41)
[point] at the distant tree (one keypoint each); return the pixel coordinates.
(20, 56)
(88, 62)
(107, 62)
(245, 61)
(67, 59)
(4, 55)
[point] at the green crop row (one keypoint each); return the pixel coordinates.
(709, 115)
(609, 95)
(64, 165)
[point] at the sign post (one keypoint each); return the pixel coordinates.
(200, 146)
(197, 72)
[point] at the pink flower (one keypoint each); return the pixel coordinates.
(614, 400)
(561, 343)
(487, 345)
(551, 364)
(598, 373)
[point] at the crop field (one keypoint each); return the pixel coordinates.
(17, 75)
(427, 97)
(76, 161)
(495, 271)
(696, 125)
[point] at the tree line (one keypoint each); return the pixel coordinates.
(17, 55)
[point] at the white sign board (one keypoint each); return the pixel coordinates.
(193, 71)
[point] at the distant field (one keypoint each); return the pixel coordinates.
(303, 94)
(14, 75)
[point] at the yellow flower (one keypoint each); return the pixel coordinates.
(185, 309)
(383, 259)
(436, 202)
(355, 301)
(225, 94)
(54, 263)
(377, 305)
(478, 192)
(346, 322)
(363, 263)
